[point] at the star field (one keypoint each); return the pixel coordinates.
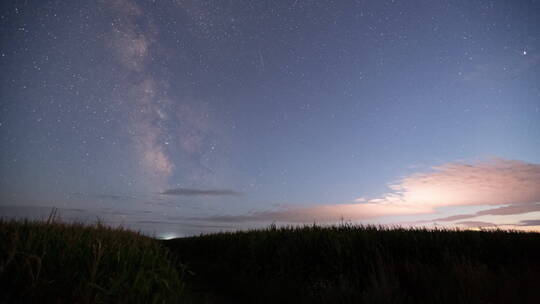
(193, 115)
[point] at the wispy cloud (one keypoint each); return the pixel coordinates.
(480, 224)
(200, 192)
(529, 223)
(111, 197)
(507, 210)
(493, 182)
(326, 213)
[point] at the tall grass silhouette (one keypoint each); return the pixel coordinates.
(363, 264)
(54, 262)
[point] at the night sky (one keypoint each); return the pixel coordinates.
(181, 117)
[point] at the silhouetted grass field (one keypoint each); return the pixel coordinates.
(53, 262)
(351, 264)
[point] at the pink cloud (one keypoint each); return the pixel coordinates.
(493, 182)
(325, 213)
(477, 224)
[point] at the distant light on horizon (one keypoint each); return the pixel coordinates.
(168, 236)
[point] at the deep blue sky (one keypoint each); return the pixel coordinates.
(106, 105)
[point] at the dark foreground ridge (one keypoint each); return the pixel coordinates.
(51, 262)
(352, 264)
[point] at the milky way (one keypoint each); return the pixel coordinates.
(144, 95)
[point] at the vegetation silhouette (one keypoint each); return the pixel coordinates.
(54, 262)
(362, 264)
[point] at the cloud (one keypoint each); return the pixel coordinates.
(529, 223)
(507, 210)
(476, 224)
(200, 192)
(112, 197)
(493, 182)
(325, 213)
